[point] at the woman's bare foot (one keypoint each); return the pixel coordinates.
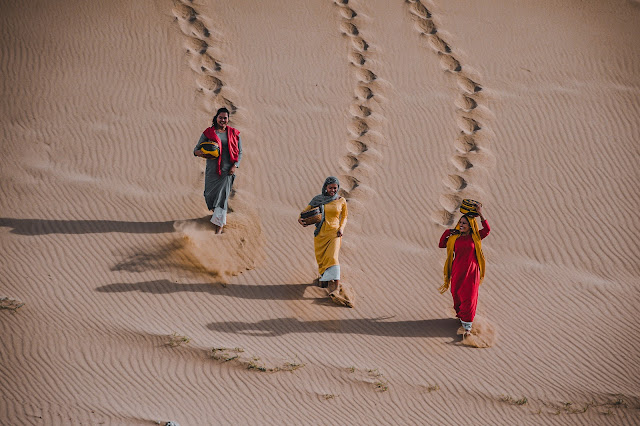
(333, 286)
(321, 284)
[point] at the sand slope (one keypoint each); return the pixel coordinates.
(531, 107)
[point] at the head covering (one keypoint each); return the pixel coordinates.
(477, 241)
(324, 198)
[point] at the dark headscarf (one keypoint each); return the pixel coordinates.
(324, 198)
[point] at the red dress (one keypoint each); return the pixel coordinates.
(465, 273)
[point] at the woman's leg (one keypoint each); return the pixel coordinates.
(219, 219)
(468, 302)
(455, 289)
(331, 276)
(467, 328)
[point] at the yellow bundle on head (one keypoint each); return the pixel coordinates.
(210, 148)
(469, 207)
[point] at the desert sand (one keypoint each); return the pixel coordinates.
(121, 306)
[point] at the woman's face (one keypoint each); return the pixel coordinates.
(332, 188)
(464, 225)
(222, 119)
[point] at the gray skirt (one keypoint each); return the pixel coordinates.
(217, 189)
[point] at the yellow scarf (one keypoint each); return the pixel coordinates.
(477, 241)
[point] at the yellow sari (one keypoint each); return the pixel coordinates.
(327, 243)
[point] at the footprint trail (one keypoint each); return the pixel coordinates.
(365, 111)
(472, 158)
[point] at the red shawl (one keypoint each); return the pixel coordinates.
(232, 137)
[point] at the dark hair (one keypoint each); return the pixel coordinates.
(214, 123)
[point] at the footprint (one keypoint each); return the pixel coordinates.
(438, 44)
(468, 85)
(356, 58)
(468, 125)
(363, 92)
(229, 105)
(358, 127)
(482, 158)
(465, 143)
(370, 156)
(360, 110)
(356, 147)
(210, 83)
(209, 64)
(361, 192)
(347, 12)
(184, 12)
(362, 171)
(418, 9)
(466, 103)
(198, 29)
(349, 29)
(196, 45)
(449, 63)
(349, 183)
(461, 162)
(349, 162)
(426, 26)
(450, 202)
(455, 182)
(365, 76)
(442, 217)
(359, 43)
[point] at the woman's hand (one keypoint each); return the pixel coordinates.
(301, 222)
(339, 233)
(232, 170)
(454, 231)
(199, 153)
(479, 210)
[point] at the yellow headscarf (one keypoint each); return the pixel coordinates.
(477, 241)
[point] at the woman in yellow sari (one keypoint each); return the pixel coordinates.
(328, 233)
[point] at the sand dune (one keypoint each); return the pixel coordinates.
(120, 305)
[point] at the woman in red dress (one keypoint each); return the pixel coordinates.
(464, 267)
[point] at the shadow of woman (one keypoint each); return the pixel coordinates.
(33, 227)
(438, 327)
(241, 291)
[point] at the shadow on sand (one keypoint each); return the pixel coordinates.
(43, 227)
(440, 327)
(242, 291)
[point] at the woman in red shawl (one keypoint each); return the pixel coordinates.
(464, 268)
(221, 171)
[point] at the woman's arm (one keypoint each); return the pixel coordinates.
(234, 166)
(196, 151)
(485, 225)
(485, 228)
(343, 218)
(443, 239)
(239, 151)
